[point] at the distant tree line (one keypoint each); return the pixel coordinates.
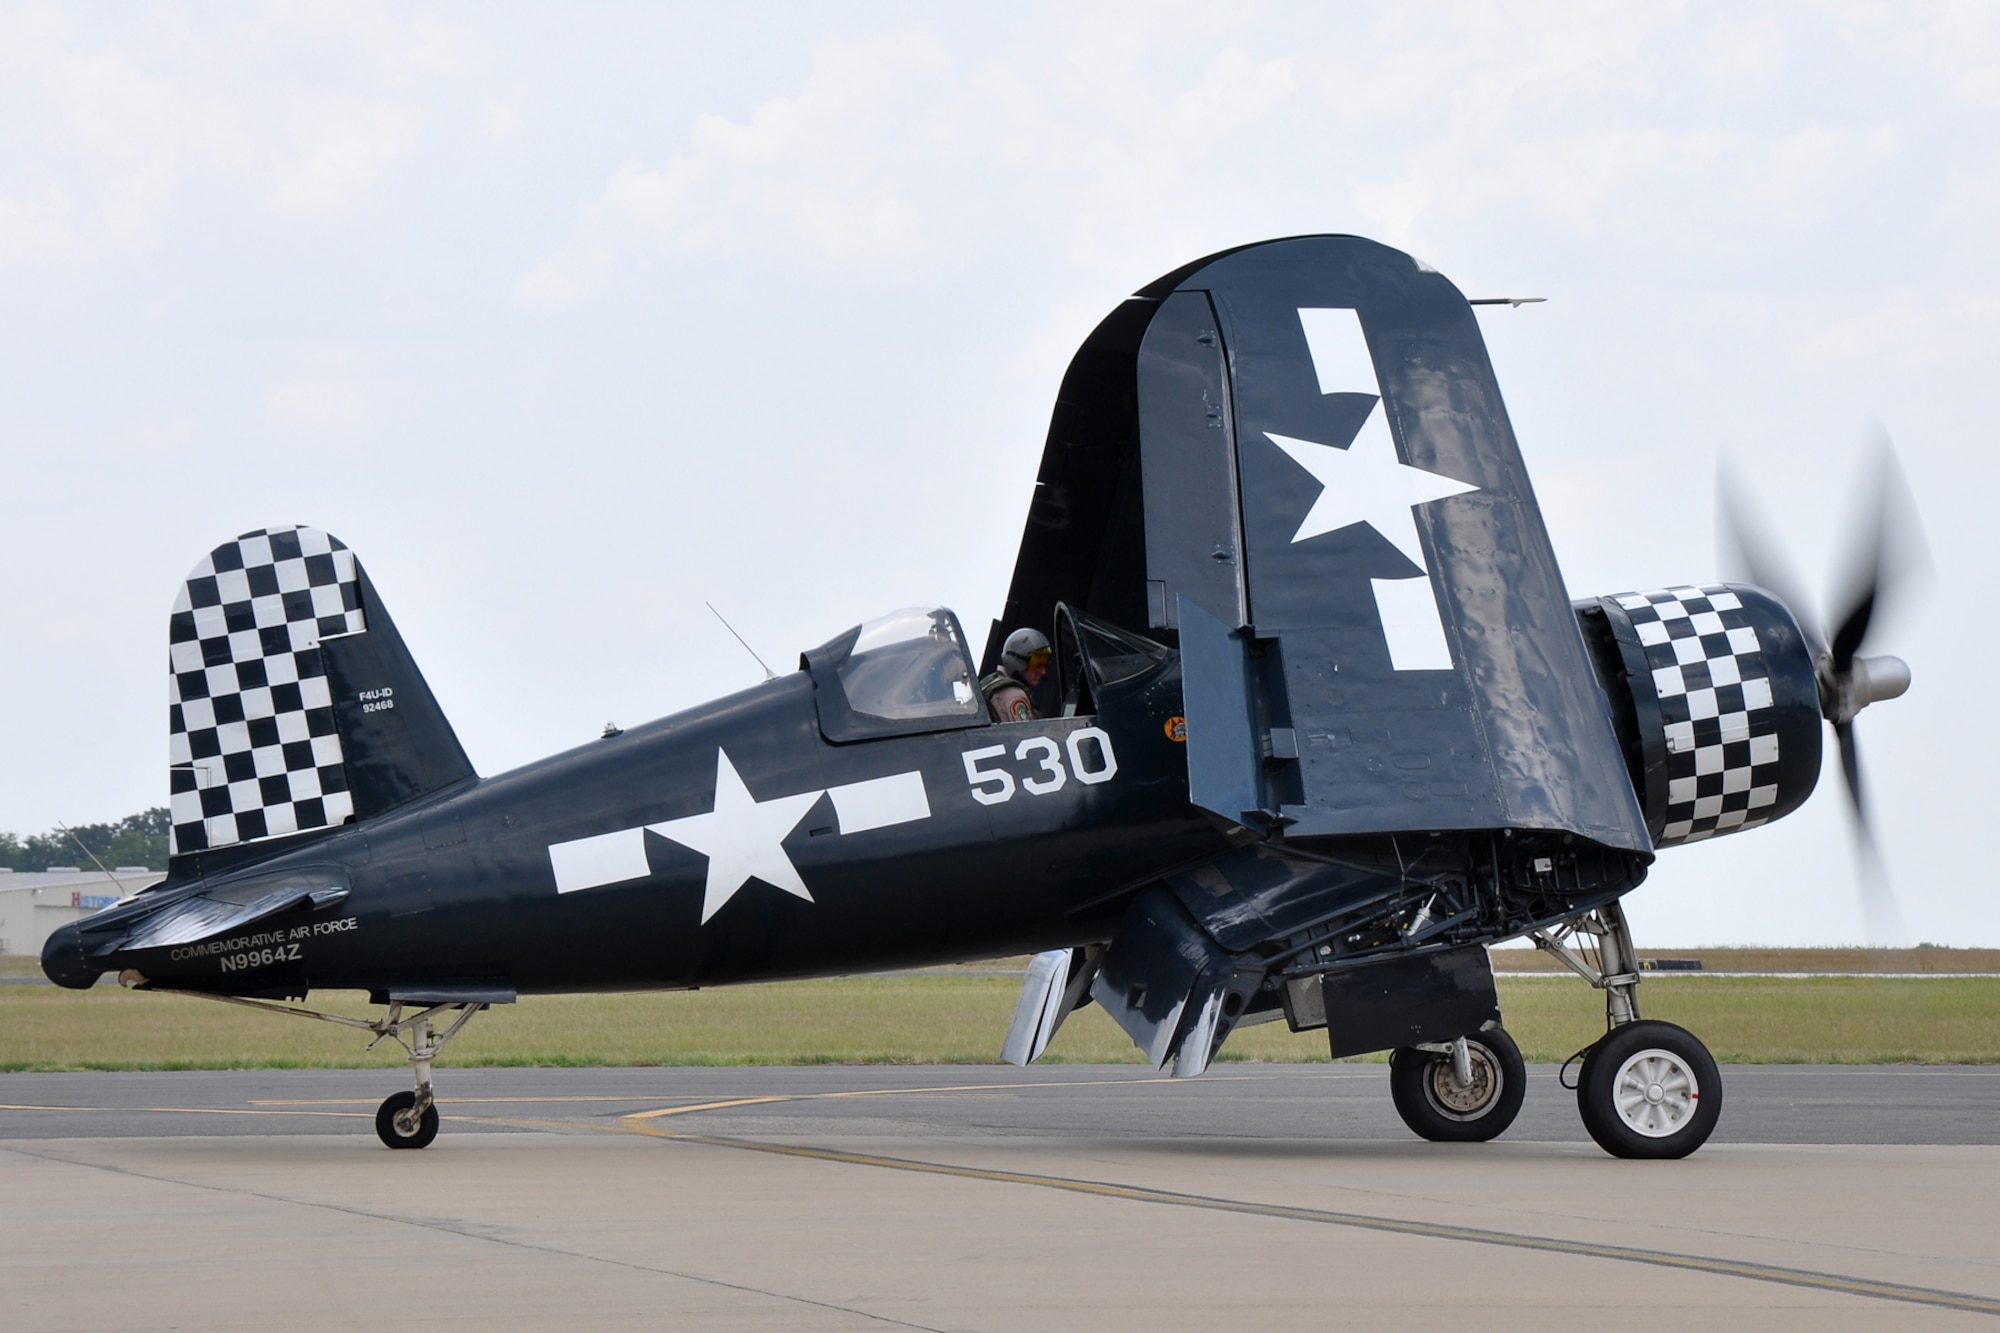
(136, 840)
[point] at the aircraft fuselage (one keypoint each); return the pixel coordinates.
(1028, 845)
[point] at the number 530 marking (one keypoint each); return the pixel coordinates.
(991, 786)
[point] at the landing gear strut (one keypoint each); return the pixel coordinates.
(410, 1119)
(406, 1119)
(1648, 1089)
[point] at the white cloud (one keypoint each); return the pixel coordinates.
(824, 162)
(126, 114)
(1742, 45)
(136, 133)
(339, 149)
(397, 43)
(1862, 339)
(890, 147)
(654, 198)
(314, 403)
(499, 120)
(1800, 167)
(40, 224)
(545, 288)
(1567, 179)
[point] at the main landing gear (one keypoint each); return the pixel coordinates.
(1464, 1091)
(406, 1119)
(1647, 1089)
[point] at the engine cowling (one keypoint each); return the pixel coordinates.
(1715, 703)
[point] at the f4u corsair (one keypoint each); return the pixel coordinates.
(1323, 724)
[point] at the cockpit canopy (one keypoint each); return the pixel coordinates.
(901, 673)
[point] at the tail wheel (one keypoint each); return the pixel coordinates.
(398, 1125)
(1435, 1103)
(1649, 1090)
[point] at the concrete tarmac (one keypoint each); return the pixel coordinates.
(981, 1198)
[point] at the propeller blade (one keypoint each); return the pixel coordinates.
(1850, 768)
(1880, 913)
(1847, 640)
(1887, 556)
(1881, 916)
(1747, 550)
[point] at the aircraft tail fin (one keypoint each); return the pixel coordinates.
(294, 703)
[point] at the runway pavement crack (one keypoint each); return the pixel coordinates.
(1841, 1284)
(470, 1231)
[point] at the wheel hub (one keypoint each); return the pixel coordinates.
(1655, 1093)
(1464, 1099)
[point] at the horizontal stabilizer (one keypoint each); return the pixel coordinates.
(216, 910)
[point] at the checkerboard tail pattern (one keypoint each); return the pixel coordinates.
(253, 751)
(1715, 698)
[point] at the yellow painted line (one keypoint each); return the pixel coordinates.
(519, 1122)
(707, 1106)
(1755, 1272)
(883, 1092)
(463, 1101)
(4, 1107)
(181, 1110)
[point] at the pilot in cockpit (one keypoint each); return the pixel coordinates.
(1024, 660)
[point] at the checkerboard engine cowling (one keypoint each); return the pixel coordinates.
(252, 746)
(1715, 699)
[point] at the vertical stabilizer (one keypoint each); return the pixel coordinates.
(263, 740)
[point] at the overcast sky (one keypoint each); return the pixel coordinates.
(570, 318)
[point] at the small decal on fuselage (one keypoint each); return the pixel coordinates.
(265, 948)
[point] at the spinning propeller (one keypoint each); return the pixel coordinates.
(1885, 553)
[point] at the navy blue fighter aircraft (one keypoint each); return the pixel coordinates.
(1323, 723)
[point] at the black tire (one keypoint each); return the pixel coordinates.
(1428, 1096)
(1649, 1090)
(385, 1122)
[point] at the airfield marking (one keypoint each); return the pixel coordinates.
(463, 1101)
(907, 1092)
(1738, 1268)
(185, 1110)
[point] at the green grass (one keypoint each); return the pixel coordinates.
(946, 1019)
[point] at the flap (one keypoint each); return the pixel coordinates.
(1170, 986)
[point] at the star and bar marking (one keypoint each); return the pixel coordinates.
(742, 837)
(1366, 483)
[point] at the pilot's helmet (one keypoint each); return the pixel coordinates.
(1024, 646)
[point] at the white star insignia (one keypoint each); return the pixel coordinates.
(1367, 483)
(742, 837)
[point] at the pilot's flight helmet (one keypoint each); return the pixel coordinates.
(1022, 646)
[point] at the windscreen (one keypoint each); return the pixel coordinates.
(910, 664)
